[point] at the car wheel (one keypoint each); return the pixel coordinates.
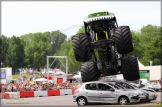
(123, 100)
(81, 101)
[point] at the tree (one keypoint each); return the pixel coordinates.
(153, 52)
(75, 65)
(138, 52)
(15, 53)
(3, 50)
(37, 50)
(81, 30)
(63, 51)
(56, 39)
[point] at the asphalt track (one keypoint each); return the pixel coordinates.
(66, 100)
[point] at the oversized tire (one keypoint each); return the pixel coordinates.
(81, 46)
(130, 68)
(89, 72)
(123, 40)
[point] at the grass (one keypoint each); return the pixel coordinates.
(157, 105)
(18, 76)
(26, 75)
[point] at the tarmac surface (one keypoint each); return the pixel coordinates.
(66, 100)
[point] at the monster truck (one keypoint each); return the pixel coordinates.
(104, 49)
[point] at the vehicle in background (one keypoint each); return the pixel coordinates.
(103, 92)
(156, 86)
(143, 81)
(14, 81)
(150, 93)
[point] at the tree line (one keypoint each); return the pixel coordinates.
(30, 50)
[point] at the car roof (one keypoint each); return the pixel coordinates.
(116, 80)
(94, 82)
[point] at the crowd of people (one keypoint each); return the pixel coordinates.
(37, 86)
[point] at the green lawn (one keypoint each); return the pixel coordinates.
(159, 105)
(18, 76)
(27, 76)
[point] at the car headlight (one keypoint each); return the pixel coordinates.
(133, 94)
(145, 93)
(141, 94)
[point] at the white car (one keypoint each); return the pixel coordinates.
(150, 93)
(156, 86)
(103, 92)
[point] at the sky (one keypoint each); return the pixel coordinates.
(23, 17)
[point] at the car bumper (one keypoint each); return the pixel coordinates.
(138, 98)
(152, 96)
(74, 98)
(158, 89)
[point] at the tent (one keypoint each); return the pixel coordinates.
(77, 76)
(139, 63)
(60, 72)
(41, 79)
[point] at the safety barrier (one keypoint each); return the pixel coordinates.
(66, 92)
(73, 91)
(40, 93)
(25, 94)
(53, 92)
(14, 95)
(5, 96)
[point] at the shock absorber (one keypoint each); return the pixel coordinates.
(96, 36)
(107, 37)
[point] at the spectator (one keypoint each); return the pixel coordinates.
(35, 86)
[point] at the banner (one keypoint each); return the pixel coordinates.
(3, 73)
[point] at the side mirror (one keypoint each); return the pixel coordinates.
(111, 89)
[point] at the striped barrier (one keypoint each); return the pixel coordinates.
(25, 94)
(53, 92)
(5, 96)
(40, 94)
(13, 95)
(66, 92)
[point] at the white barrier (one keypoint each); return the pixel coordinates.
(40, 94)
(13, 95)
(66, 92)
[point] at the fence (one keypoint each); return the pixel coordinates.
(25, 94)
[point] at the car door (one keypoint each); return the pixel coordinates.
(106, 94)
(91, 92)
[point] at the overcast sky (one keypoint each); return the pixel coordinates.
(19, 18)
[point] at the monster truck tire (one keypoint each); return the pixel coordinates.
(81, 46)
(123, 39)
(130, 68)
(89, 72)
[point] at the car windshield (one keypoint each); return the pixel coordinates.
(134, 85)
(126, 85)
(120, 86)
(116, 86)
